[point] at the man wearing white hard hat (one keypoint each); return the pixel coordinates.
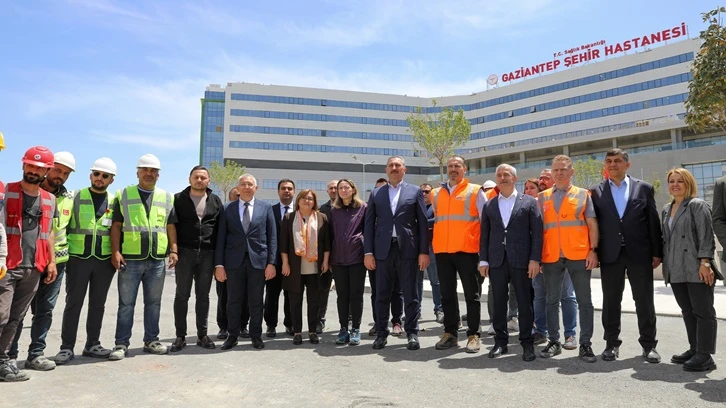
(89, 267)
(45, 298)
(142, 236)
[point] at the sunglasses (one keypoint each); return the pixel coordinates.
(99, 174)
(426, 191)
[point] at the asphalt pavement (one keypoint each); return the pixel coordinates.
(328, 375)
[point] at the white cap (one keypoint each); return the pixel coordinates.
(105, 165)
(66, 159)
(489, 184)
(149, 161)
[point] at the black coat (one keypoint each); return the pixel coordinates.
(191, 233)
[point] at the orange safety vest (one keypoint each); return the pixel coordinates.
(456, 219)
(567, 230)
(491, 193)
(14, 225)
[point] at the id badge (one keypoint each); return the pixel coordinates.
(106, 222)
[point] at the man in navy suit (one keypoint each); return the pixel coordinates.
(396, 245)
(630, 242)
(273, 287)
(510, 251)
(245, 258)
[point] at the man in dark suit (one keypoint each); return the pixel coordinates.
(396, 246)
(245, 258)
(630, 242)
(273, 287)
(510, 251)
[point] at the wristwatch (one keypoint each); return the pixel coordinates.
(706, 264)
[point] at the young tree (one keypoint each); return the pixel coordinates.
(706, 103)
(226, 177)
(439, 135)
(587, 172)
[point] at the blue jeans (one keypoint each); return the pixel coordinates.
(433, 274)
(151, 273)
(42, 307)
(568, 302)
(554, 274)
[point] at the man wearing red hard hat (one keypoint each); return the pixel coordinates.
(29, 214)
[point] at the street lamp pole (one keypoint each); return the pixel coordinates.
(364, 173)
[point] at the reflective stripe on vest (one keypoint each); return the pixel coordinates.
(144, 236)
(456, 219)
(64, 204)
(14, 223)
(565, 232)
(84, 229)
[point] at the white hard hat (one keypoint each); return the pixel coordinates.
(105, 165)
(489, 184)
(149, 161)
(66, 159)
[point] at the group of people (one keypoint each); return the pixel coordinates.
(538, 246)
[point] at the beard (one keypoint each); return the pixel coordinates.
(101, 188)
(32, 178)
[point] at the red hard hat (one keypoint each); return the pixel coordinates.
(39, 156)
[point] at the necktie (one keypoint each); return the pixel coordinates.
(287, 209)
(246, 217)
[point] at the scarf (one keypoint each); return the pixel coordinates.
(305, 236)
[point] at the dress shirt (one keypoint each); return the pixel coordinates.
(393, 194)
(242, 208)
(506, 205)
(282, 209)
(620, 194)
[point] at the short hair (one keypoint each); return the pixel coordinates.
(279, 183)
(302, 194)
(381, 180)
(688, 180)
(233, 194)
(195, 168)
(533, 181)
(616, 152)
(457, 157)
(563, 158)
(247, 176)
(334, 181)
(356, 203)
(403, 161)
(509, 167)
(426, 184)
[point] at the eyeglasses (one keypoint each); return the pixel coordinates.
(307, 199)
(426, 191)
(99, 174)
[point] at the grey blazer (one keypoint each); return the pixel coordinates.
(688, 240)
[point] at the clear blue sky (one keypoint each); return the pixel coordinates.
(124, 78)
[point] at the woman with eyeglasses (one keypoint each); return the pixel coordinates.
(305, 252)
(346, 254)
(688, 266)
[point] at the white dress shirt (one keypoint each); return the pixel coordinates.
(393, 194)
(282, 209)
(242, 208)
(506, 205)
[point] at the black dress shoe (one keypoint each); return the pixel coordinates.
(611, 353)
(413, 343)
(288, 330)
(497, 351)
(222, 334)
(271, 332)
(683, 357)
(700, 362)
(205, 342)
(297, 340)
(245, 334)
(257, 343)
(178, 344)
(379, 343)
(528, 353)
(229, 343)
(651, 356)
(314, 339)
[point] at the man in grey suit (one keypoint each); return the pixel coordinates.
(510, 251)
(719, 211)
(245, 258)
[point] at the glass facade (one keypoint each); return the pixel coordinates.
(212, 138)
(320, 148)
(319, 132)
(705, 175)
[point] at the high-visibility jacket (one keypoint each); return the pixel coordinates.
(14, 227)
(144, 236)
(566, 230)
(64, 203)
(88, 236)
(489, 194)
(456, 219)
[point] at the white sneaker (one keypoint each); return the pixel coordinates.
(513, 325)
(491, 331)
(118, 353)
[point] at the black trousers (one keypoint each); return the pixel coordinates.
(405, 271)
(92, 275)
(466, 265)
(396, 299)
(242, 281)
(222, 321)
(696, 303)
(350, 283)
(273, 288)
(640, 277)
(309, 285)
(193, 267)
(324, 294)
(500, 278)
